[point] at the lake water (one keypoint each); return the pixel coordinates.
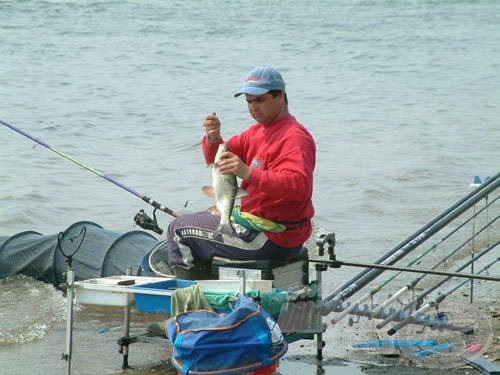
(402, 98)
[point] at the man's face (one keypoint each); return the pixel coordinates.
(265, 108)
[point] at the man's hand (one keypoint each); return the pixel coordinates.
(231, 163)
(212, 127)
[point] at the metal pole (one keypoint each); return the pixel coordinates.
(318, 319)
(338, 263)
(331, 302)
(428, 291)
(126, 323)
(433, 303)
(70, 277)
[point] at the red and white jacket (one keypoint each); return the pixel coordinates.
(281, 156)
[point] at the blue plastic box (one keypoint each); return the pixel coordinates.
(157, 297)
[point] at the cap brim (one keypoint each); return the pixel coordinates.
(251, 91)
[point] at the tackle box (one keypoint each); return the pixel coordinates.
(109, 291)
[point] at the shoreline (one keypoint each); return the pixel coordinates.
(342, 359)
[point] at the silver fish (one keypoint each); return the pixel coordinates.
(224, 190)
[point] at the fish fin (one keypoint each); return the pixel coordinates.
(214, 210)
(241, 193)
(209, 190)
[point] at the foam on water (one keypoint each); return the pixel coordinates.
(38, 307)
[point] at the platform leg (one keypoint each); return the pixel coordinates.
(317, 315)
(126, 324)
(70, 278)
(319, 346)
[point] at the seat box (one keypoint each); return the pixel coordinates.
(291, 276)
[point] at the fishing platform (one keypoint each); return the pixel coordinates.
(284, 289)
(97, 267)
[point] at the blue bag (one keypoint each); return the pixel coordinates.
(244, 340)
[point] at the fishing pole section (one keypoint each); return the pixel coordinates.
(141, 218)
(352, 286)
(418, 310)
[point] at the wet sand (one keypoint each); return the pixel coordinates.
(342, 359)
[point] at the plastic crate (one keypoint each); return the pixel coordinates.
(157, 297)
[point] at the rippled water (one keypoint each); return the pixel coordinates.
(28, 323)
(401, 97)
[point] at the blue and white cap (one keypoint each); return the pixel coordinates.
(261, 80)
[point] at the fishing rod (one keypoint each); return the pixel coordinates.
(377, 288)
(349, 288)
(338, 263)
(418, 318)
(429, 290)
(433, 303)
(145, 198)
(399, 315)
(412, 284)
(355, 306)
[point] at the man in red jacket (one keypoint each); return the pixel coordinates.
(275, 159)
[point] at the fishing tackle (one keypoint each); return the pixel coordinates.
(145, 198)
(338, 263)
(441, 297)
(372, 271)
(145, 222)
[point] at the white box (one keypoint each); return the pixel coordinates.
(235, 285)
(110, 291)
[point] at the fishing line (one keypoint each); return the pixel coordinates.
(145, 198)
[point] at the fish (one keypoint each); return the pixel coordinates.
(225, 191)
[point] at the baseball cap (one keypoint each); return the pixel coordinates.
(261, 80)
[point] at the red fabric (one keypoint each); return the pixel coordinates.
(282, 156)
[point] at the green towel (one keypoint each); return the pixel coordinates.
(192, 298)
(273, 301)
(221, 300)
(188, 299)
(270, 301)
